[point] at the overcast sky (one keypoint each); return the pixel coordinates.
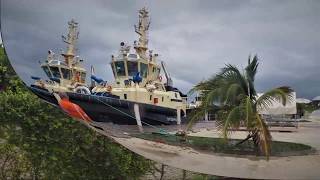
(194, 38)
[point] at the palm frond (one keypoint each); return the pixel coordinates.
(252, 67)
(280, 94)
(286, 89)
(195, 116)
(192, 91)
(206, 85)
(200, 86)
(229, 69)
(210, 97)
(231, 74)
(233, 92)
(249, 113)
(232, 121)
(250, 72)
(262, 136)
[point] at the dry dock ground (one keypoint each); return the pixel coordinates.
(290, 167)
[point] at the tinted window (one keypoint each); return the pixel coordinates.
(120, 68)
(157, 72)
(133, 56)
(143, 69)
(55, 72)
(77, 76)
(132, 68)
(47, 71)
(54, 62)
(114, 72)
(65, 73)
(83, 77)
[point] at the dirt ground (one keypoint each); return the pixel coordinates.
(291, 167)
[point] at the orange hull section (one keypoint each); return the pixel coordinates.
(73, 110)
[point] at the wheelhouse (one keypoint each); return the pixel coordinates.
(59, 70)
(126, 66)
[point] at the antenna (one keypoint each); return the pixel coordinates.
(142, 30)
(71, 40)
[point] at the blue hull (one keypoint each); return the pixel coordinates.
(110, 109)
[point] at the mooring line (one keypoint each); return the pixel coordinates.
(97, 98)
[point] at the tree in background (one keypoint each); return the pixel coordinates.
(7, 74)
(49, 145)
(13, 162)
(238, 102)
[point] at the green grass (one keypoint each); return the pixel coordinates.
(220, 145)
(204, 177)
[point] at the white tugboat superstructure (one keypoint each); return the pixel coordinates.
(66, 75)
(128, 68)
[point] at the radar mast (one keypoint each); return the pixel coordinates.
(142, 30)
(71, 41)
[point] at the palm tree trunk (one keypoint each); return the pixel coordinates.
(244, 140)
(253, 134)
(255, 138)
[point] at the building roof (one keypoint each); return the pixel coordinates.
(317, 98)
(302, 101)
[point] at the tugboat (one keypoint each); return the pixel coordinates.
(137, 75)
(65, 72)
(137, 96)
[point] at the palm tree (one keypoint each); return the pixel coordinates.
(234, 92)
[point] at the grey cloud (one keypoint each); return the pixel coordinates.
(194, 38)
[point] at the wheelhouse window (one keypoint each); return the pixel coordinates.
(47, 71)
(132, 68)
(113, 70)
(120, 69)
(65, 73)
(55, 72)
(83, 77)
(55, 62)
(134, 56)
(143, 70)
